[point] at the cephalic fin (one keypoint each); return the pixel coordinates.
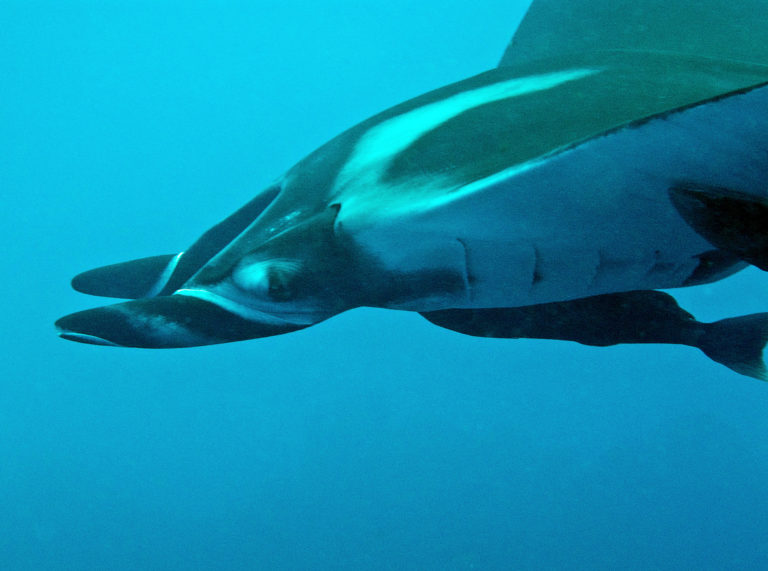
(164, 274)
(629, 317)
(135, 279)
(165, 322)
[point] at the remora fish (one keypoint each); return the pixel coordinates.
(620, 147)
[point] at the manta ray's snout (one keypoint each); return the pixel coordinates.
(164, 322)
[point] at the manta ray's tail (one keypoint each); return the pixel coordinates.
(738, 343)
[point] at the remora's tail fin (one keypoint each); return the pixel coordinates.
(722, 29)
(738, 343)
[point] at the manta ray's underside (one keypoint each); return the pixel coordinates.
(620, 147)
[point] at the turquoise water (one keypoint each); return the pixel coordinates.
(371, 441)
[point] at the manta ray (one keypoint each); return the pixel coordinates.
(619, 148)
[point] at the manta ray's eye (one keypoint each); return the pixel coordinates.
(272, 279)
(278, 288)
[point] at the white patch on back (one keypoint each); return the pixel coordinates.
(378, 148)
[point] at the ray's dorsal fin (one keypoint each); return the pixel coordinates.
(628, 317)
(722, 29)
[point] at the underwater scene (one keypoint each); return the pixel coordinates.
(376, 438)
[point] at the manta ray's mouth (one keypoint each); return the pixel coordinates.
(275, 316)
(85, 338)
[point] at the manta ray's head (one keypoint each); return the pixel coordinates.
(300, 274)
(282, 274)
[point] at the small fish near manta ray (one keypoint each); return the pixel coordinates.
(620, 147)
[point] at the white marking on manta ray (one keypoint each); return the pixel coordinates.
(491, 180)
(165, 276)
(243, 311)
(378, 148)
(283, 222)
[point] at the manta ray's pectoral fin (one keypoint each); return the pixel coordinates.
(166, 322)
(162, 275)
(554, 28)
(630, 317)
(731, 221)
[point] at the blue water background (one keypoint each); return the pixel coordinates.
(372, 441)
